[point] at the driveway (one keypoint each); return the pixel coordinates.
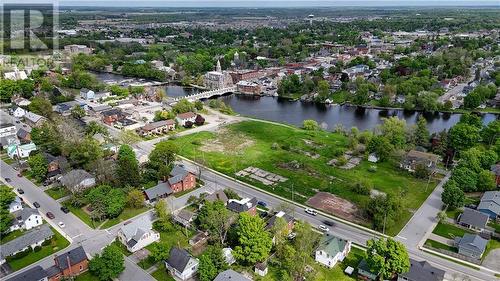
(492, 261)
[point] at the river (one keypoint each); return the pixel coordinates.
(290, 112)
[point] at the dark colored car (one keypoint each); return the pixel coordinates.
(20, 175)
(262, 203)
(8, 180)
(65, 209)
(36, 204)
(20, 191)
(329, 223)
(50, 215)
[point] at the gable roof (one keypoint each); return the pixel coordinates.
(35, 273)
(154, 125)
(495, 169)
(423, 271)
(22, 133)
(472, 242)
(31, 237)
(177, 174)
(415, 154)
(186, 115)
(230, 275)
(159, 190)
(134, 230)
(33, 117)
(75, 256)
(280, 214)
(474, 218)
(490, 201)
(332, 245)
(75, 177)
(242, 205)
(178, 259)
(217, 195)
(23, 214)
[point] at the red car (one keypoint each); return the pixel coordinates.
(50, 215)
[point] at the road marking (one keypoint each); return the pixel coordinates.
(401, 237)
(76, 236)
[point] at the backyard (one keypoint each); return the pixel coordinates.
(301, 157)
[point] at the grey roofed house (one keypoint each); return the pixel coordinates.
(74, 256)
(184, 217)
(22, 134)
(178, 259)
(177, 174)
(33, 117)
(272, 220)
(77, 180)
(133, 231)
(33, 274)
(471, 245)
(161, 190)
(242, 205)
(473, 218)
(422, 271)
(490, 204)
(230, 275)
(217, 195)
(23, 214)
(31, 237)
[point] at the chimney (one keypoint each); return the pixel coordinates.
(69, 265)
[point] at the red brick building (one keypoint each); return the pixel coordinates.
(68, 265)
(181, 179)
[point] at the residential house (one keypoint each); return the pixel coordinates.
(64, 108)
(231, 275)
(20, 101)
(36, 273)
(244, 205)
(495, 169)
(77, 180)
(77, 49)
(422, 271)
(161, 190)
(111, 116)
(68, 265)
(137, 234)
(7, 129)
(15, 75)
(20, 150)
(181, 179)
(183, 118)
(331, 250)
(18, 112)
(199, 239)
(217, 195)
(471, 245)
(7, 141)
(33, 120)
(261, 269)
(29, 240)
(473, 219)
(490, 204)
(24, 136)
(289, 220)
(26, 219)
(16, 204)
(365, 273)
(157, 128)
(87, 94)
(184, 217)
(55, 165)
(181, 264)
(415, 157)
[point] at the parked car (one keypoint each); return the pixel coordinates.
(50, 215)
(20, 175)
(61, 224)
(262, 203)
(8, 180)
(65, 209)
(329, 223)
(311, 211)
(323, 228)
(20, 191)
(36, 204)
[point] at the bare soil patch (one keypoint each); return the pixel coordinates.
(336, 206)
(227, 142)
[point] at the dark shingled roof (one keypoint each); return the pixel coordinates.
(474, 218)
(177, 174)
(159, 190)
(243, 205)
(33, 274)
(230, 275)
(76, 255)
(423, 271)
(178, 259)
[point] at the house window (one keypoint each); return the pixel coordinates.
(81, 267)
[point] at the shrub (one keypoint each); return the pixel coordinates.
(372, 169)
(37, 248)
(362, 187)
(46, 242)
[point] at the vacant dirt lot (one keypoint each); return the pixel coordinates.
(227, 142)
(335, 205)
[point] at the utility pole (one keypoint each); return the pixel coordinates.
(385, 219)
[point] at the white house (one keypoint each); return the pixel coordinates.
(26, 219)
(7, 129)
(87, 94)
(228, 255)
(22, 101)
(15, 205)
(185, 117)
(30, 239)
(331, 250)
(19, 112)
(20, 151)
(138, 234)
(181, 264)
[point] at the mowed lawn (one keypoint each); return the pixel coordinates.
(273, 148)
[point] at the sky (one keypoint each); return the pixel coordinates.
(264, 3)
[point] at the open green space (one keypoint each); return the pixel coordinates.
(122, 247)
(161, 274)
(57, 192)
(4, 238)
(495, 225)
(57, 243)
(86, 276)
(125, 215)
(449, 231)
(439, 245)
(273, 147)
(7, 159)
(81, 214)
(453, 214)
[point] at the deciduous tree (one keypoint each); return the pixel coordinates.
(254, 241)
(387, 257)
(38, 166)
(109, 264)
(452, 195)
(216, 219)
(127, 168)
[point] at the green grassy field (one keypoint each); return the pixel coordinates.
(58, 242)
(272, 147)
(449, 231)
(439, 245)
(57, 193)
(10, 236)
(161, 274)
(125, 215)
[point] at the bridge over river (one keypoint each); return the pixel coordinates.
(205, 95)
